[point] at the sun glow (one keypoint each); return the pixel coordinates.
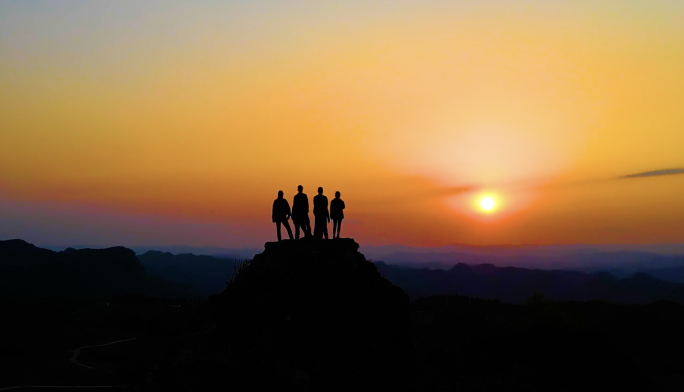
(487, 204)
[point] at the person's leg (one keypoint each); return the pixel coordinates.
(334, 228)
(339, 227)
(307, 227)
(317, 228)
(287, 227)
(296, 225)
(278, 229)
(321, 228)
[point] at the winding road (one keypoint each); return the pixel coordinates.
(73, 359)
(77, 352)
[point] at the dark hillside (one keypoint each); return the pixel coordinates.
(303, 315)
(205, 274)
(30, 272)
(19, 253)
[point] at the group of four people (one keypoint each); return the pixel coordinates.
(300, 214)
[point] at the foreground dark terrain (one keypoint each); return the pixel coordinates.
(457, 342)
(318, 316)
(39, 338)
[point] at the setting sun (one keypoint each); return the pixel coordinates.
(484, 123)
(487, 203)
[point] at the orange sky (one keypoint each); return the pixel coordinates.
(199, 113)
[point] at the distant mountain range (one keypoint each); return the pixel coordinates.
(516, 285)
(216, 251)
(621, 260)
(605, 258)
(206, 275)
(385, 251)
(626, 277)
(574, 257)
(28, 271)
(224, 253)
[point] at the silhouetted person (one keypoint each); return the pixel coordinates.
(281, 213)
(337, 214)
(321, 214)
(300, 213)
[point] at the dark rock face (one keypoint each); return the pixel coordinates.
(312, 315)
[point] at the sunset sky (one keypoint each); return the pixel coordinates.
(177, 122)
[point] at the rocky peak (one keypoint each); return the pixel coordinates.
(313, 311)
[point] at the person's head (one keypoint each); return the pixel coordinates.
(280, 194)
(300, 188)
(320, 190)
(337, 194)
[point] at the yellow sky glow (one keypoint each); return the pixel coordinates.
(185, 115)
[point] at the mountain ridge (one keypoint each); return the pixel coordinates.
(515, 285)
(29, 271)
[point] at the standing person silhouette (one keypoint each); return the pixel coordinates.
(321, 214)
(300, 213)
(281, 213)
(337, 214)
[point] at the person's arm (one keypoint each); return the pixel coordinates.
(289, 211)
(341, 202)
(273, 211)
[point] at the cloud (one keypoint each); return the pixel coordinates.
(525, 185)
(666, 172)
